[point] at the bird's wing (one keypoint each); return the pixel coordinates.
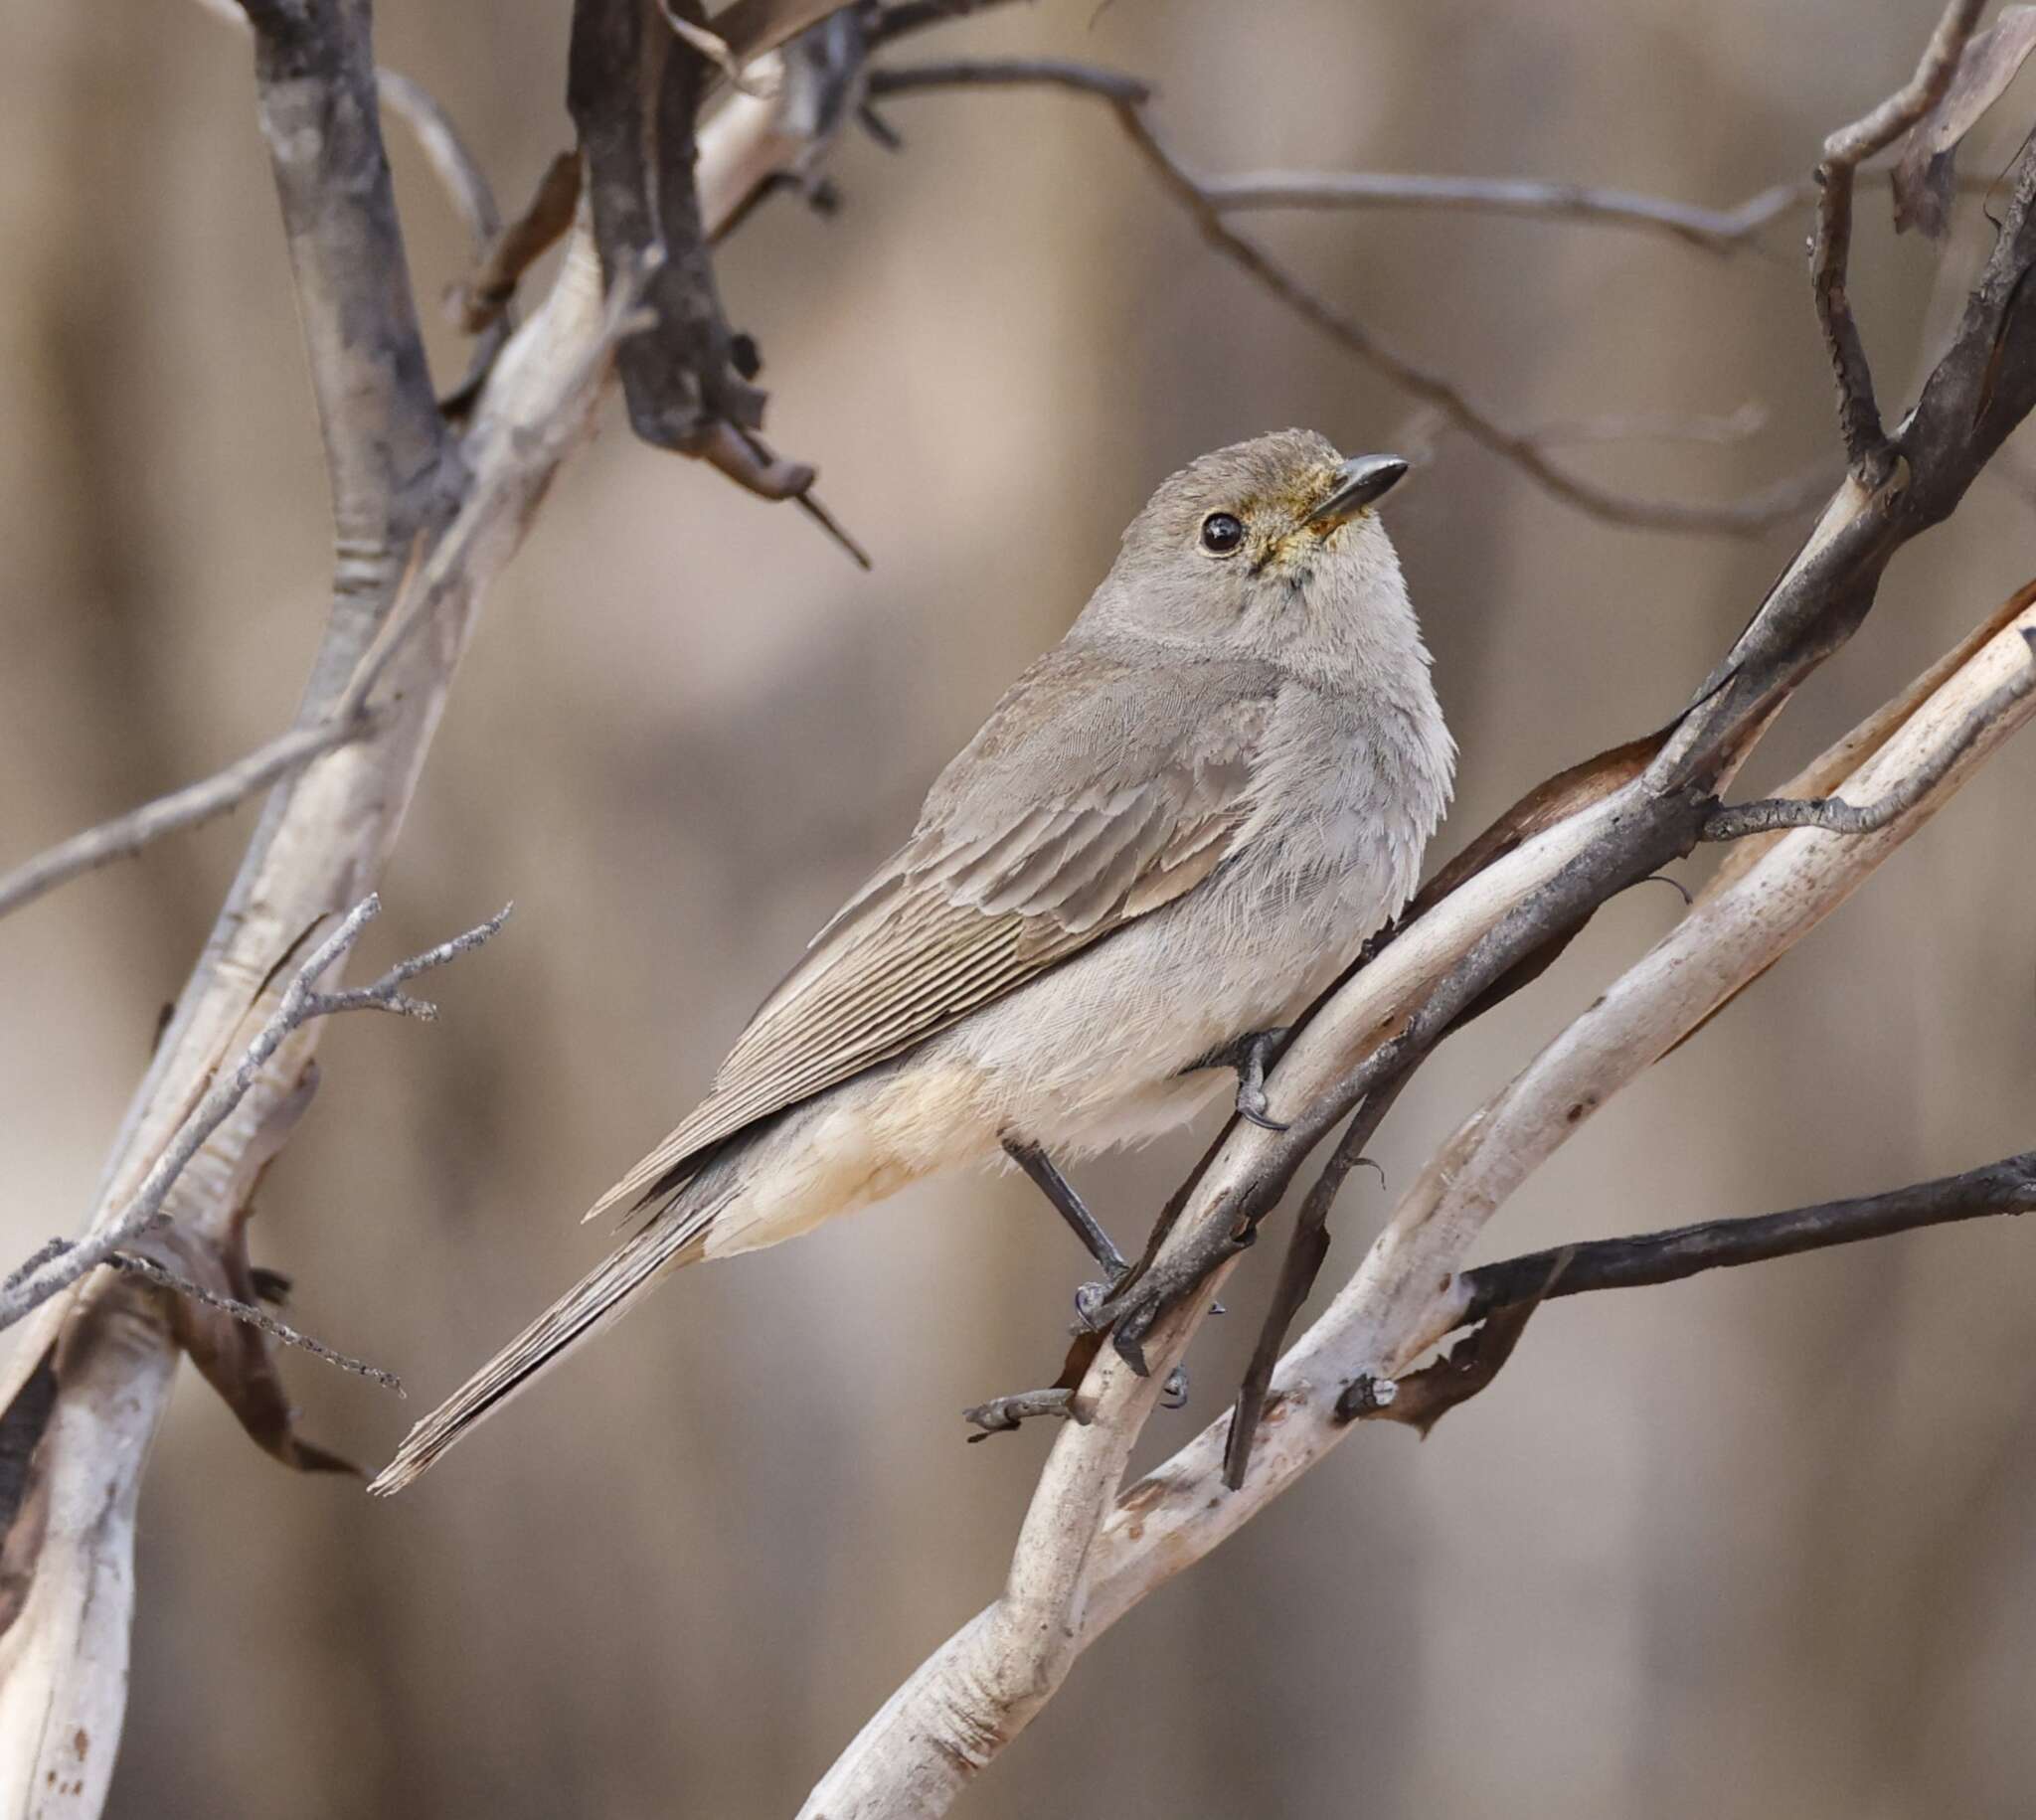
(1095, 793)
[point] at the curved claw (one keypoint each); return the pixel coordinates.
(1256, 1113)
(1252, 1055)
(1088, 1298)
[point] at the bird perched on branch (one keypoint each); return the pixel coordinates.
(1171, 834)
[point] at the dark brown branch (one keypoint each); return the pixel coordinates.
(1859, 418)
(1422, 1399)
(1306, 1252)
(482, 298)
(1837, 816)
(632, 88)
(1647, 1259)
(1500, 1298)
(1981, 388)
(387, 452)
(1129, 96)
(1639, 840)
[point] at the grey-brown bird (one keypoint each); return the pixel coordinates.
(1173, 831)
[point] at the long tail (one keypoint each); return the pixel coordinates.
(599, 1299)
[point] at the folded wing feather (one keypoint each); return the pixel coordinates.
(1072, 813)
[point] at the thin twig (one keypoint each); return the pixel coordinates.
(1859, 418)
(1723, 431)
(439, 137)
(1719, 231)
(1127, 97)
(246, 1312)
(1837, 816)
(125, 835)
(1646, 1259)
(485, 296)
(301, 1002)
(1712, 229)
(451, 160)
(460, 175)
(1306, 1252)
(424, 590)
(1003, 1414)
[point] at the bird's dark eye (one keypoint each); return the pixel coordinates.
(1221, 534)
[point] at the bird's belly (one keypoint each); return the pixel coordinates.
(1092, 1054)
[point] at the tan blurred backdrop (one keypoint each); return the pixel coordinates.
(1756, 1546)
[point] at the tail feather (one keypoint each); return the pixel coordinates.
(598, 1301)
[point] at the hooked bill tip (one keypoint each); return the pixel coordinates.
(1361, 481)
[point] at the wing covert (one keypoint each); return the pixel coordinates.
(1066, 818)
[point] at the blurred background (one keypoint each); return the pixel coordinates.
(1757, 1545)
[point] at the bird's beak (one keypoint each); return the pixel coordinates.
(1359, 483)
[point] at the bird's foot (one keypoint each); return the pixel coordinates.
(1254, 1054)
(1089, 1301)
(1250, 1056)
(1129, 1314)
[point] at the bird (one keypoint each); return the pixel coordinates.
(1174, 831)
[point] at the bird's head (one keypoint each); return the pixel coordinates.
(1260, 545)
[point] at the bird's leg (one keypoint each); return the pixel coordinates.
(1250, 1056)
(1071, 1208)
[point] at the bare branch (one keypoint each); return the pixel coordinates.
(1724, 432)
(1712, 229)
(385, 446)
(1391, 1311)
(301, 1002)
(1836, 815)
(485, 296)
(1306, 1254)
(135, 1264)
(451, 160)
(1127, 97)
(1859, 418)
(1646, 1259)
(125, 835)
(1087, 1554)
(1003, 1414)
(1718, 230)
(92, 1369)
(424, 591)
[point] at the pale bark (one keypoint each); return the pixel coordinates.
(322, 844)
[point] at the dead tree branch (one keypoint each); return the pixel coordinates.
(301, 1002)
(1130, 99)
(86, 1384)
(192, 806)
(1836, 816)
(1501, 1297)
(250, 1315)
(1859, 418)
(1648, 1259)
(1086, 1553)
(1716, 230)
